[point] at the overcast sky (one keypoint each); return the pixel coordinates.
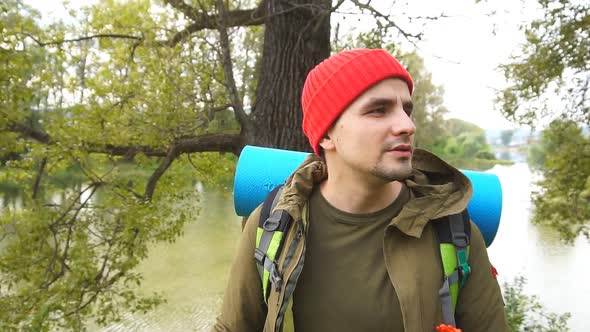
(462, 51)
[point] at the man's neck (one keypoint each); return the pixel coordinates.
(356, 196)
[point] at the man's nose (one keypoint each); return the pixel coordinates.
(402, 123)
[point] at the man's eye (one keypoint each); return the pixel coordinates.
(377, 111)
(408, 108)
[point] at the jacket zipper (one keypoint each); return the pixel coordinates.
(292, 276)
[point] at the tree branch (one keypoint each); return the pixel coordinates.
(30, 132)
(105, 285)
(411, 37)
(202, 21)
(164, 165)
(102, 35)
(220, 108)
(204, 143)
(99, 290)
(109, 242)
(228, 143)
(37, 182)
(337, 5)
(211, 143)
(188, 11)
(49, 271)
(242, 117)
(55, 231)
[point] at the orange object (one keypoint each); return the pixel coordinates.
(447, 328)
(494, 272)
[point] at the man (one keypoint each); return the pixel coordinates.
(361, 253)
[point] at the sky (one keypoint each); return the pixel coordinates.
(462, 51)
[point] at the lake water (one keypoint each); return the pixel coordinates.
(556, 273)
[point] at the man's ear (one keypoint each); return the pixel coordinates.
(327, 143)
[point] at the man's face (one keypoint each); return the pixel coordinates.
(373, 137)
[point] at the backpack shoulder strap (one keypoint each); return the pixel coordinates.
(454, 238)
(269, 241)
(461, 237)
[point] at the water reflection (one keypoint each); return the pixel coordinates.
(13, 198)
(10, 198)
(514, 154)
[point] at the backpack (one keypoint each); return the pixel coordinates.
(453, 234)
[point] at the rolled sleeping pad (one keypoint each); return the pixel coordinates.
(260, 170)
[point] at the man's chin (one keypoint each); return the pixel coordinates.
(397, 174)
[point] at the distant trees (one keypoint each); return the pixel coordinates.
(464, 145)
(506, 136)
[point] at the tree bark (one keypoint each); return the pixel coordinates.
(296, 38)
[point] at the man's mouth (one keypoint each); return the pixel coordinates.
(402, 147)
(402, 150)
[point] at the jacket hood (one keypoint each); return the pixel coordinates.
(436, 190)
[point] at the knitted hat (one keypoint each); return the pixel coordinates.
(337, 81)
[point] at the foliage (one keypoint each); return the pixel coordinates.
(60, 254)
(563, 198)
(464, 145)
(526, 314)
(214, 170)
(18, 65)
(81, 128)
(550, 82)
(554, 63)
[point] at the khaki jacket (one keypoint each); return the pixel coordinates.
(437, 190)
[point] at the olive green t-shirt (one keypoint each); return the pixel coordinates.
(344, 285)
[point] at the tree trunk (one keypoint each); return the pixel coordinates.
(296, 38)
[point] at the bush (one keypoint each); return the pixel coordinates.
(526, 314)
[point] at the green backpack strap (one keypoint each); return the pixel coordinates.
(269, 241)
(454, 237)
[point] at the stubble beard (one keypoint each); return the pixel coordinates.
(398, 172)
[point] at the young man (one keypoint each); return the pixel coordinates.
(361, 253)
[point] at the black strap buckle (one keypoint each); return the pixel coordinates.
(460, 240)
(272, 223)
(259, 256)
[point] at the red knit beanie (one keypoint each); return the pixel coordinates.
(337, 81)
